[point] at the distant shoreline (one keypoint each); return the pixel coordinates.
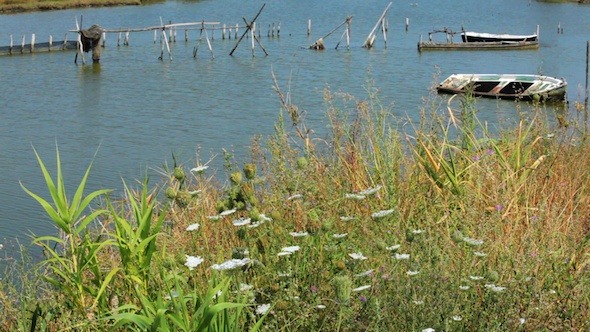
(12, 7)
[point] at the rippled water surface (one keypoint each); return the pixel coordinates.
(134, 111)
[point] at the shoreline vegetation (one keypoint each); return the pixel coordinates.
(384, 225)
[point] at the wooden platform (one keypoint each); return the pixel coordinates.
(428, 46)
(39, 47)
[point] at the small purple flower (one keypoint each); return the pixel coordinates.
(313, 289)
(499, 207)
(490, 152)
(475, 158)
(363, 298)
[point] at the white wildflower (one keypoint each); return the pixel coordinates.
(394, 247)
(346, 218)
(418, 302)
(217, 217)
(245, 287)
(339, 236)
(480, 254)
(354, 196)
(264, 218)
(291, 249)
(476, 278)
(494, 288)
(199, 169)
(357, 256)
(263, 308)
(381, 214)
(361, 288)
(418, 231)
(194, 192)
(193, 227)
(522, 320)
(296, 196)
(193, 261)
(464, 287)
(364, 274)
(457, 318)
(242, 222)
(227, 212)
(370, 191)
(320, 306)
(284, 274)
(256, 224)
(231, 264)
(299, 234)
(412, 273)
(402, 256)
(472, 242)
(284, 253)
(430, 329)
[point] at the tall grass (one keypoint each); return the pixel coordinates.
(385, 225)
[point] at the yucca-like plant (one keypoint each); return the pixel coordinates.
(72, 259)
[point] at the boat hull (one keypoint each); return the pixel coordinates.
(508, 86)
(477, 37)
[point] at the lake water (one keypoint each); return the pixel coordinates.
(134, 111)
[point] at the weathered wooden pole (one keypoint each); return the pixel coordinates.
(308, 28)
(11, 44)
(223, 32)
(248, 27)
(126, 43)
(371, 37)
(104, 39)
(236, 34)
(22, 46)
(50, 42)
(32, 43)
(407, 24)
(319, 44)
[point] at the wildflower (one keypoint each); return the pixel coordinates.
(193, 261)
(284, 274)
(363, 299)
(418, 302)
(494, 288)
(227, 212)
(418, 231)
(394, 247)
(480, 254)
(402, 256)
(231, 264)
(313, 289)
(354, 196)
(499, 207)
(381, 214)
(370, 191)
(284, 253)
(217, 217)
(263, 308)
(430, 329)
(346, 218)
(296, 196)
(194, 192)
(254, 225)
(199, 169)
(339, 236)
(245, 287)
(320, 306)
(522, 320)
(193, 227)
(457, 318)
(464, 287)
(357, 256)
(472, 242)
(299, 234)
(412, 273)
(291, 249)
(364, 274)
(263, 217)
(173, 294)
(476, 278)
(241, 221)
(361, 288)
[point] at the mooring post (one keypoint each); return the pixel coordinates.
(104, 39)
(10, 47)
(63, 47)
(50, 42)
(223, 32)
(278, 29)
(32, 43)
(407, 23)
(236, 35)
(22, 47)
(308, 27)
(126, 38)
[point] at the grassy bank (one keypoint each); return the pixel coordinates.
(15, 6)
(440, 225)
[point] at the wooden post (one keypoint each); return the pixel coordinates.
(155, 37)
(252, 31)
(104, 39)
(407, 23)
(126, 38)
(248, 27)
(32, 43)
(11, 44)
(384, 33)
(63, 47)
(185, 35)
(278, 29)
(223, 32)
(236, 35)
(586, 99)
(50, 42)
(119, 39)
(308, 28)
(371, 37)
(22, 47)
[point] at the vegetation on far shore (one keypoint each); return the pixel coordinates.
(16, 6)
(439, 225)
